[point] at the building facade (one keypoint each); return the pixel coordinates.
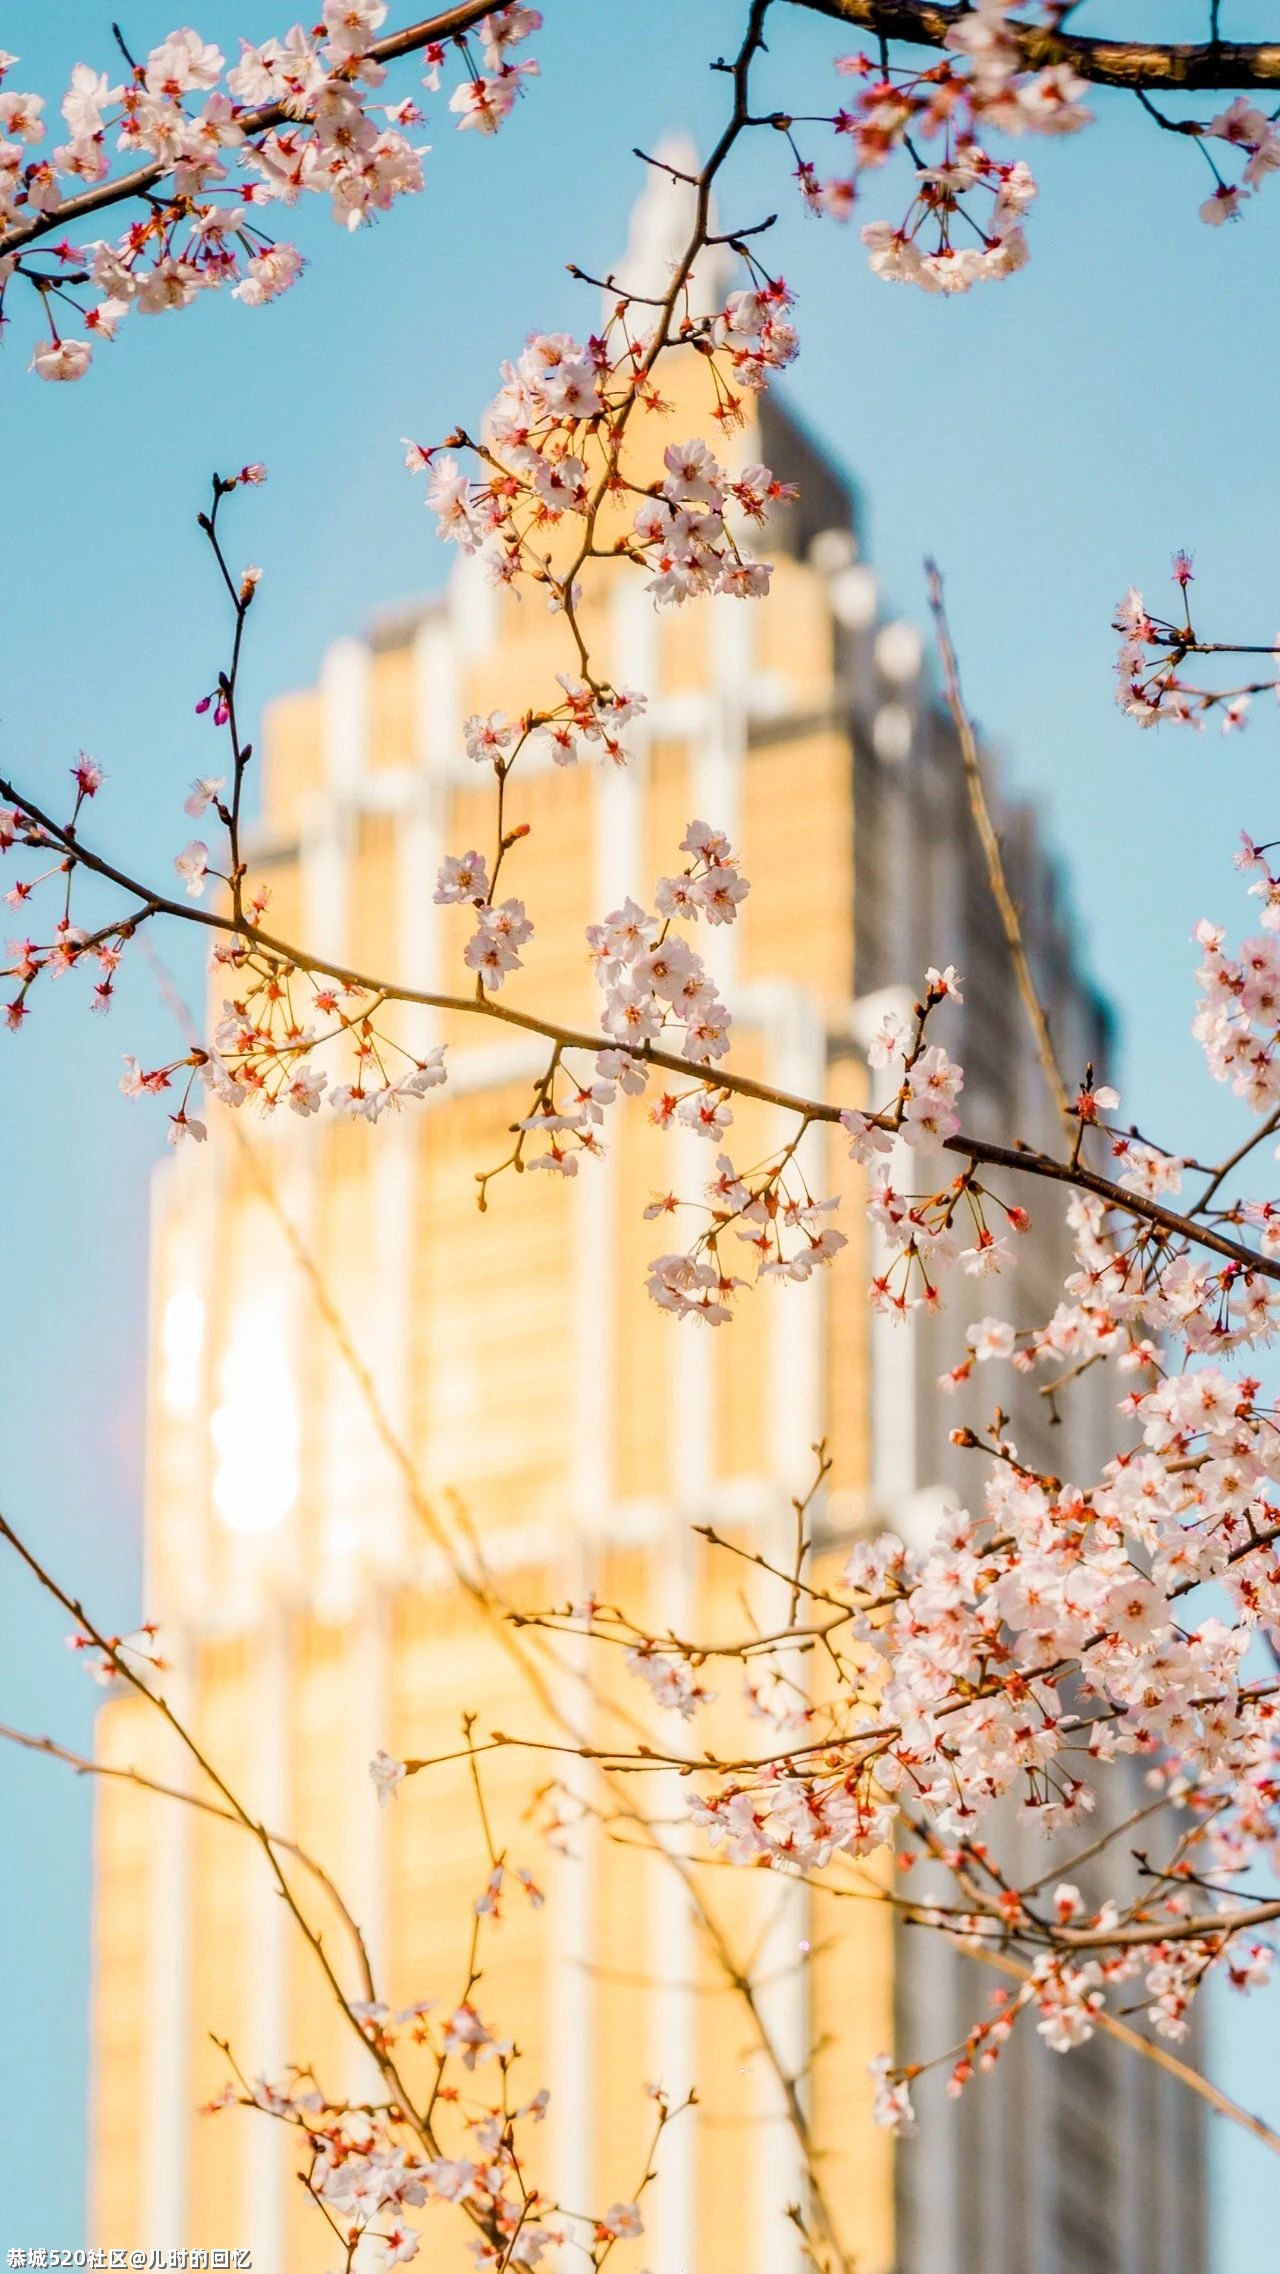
(359, 1382)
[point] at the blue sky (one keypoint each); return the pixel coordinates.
(1049, 439)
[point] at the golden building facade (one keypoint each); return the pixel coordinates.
(519, 1374)
(359, 1382)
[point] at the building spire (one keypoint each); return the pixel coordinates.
(661, 222)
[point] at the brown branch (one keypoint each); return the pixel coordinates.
(1150, 2051)
(487, 1597)
(1207, 1926)
(981, 811)
(1131, 64)
(927, 1916)
(449, 24)
(84, 1767)
(738, 121)
(114, 1656)
(1083, 1179)
(1023, 1160)
(1219, 1177)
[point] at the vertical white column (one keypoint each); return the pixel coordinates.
(187, 1193)
(617, 851)
(719, 752)
(344, 731)
(473, 607)
(191, 1190)
(369, 1705)
(166, 2111)
(779, 2166)
(674, 1952)
(673, 1962)
(437, 740)
(574, 2048)
(364, 1877)
(618, 830)
(797, 1062)
(796, 1322)
(387, 1334)
(673, 1947)
(617, 795)
(894, 1362)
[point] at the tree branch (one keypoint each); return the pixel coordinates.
(257, 1831)
(84, 1767)
(1022, 1160)
(1130, 64)
(449, 24)
(991, 853)
(1150, 2051)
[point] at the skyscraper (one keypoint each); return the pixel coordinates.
(360, 1385)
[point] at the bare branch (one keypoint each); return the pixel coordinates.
(111, 1772)
(991, 853)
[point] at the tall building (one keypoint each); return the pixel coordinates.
(351, 1366)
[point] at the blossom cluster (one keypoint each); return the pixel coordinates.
(266, 1043)
(589, 722)
(1238, 1021)
(284, 1023)
(1027, 1645)
(964, 223)
(549, 459)
(1135, 1283)
(1063, 1626)
(771, 1211)
(1243, 127)
(656, 991)
(224, 145)
(924, 1232)
(654, 982)
(266, 1048)
(67, 946)
(122, 1656)
(370, 2168)
(1149, 685)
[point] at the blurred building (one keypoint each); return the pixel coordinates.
(351, 1365)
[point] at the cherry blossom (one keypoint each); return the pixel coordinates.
(387, 1775)
(963, 224)
(192, 865)
(220, 145)
(1054, 1634)
(548, 454)
(1153, 649)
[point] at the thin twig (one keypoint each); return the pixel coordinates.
(1150, 2051)
(1022, 1160)
(980, 809)
(84, 1767)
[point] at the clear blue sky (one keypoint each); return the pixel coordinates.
(1050, 439)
